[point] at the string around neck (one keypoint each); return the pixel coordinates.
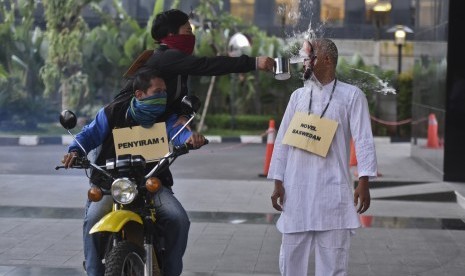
(330, 98)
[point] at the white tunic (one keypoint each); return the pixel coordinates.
(319, 191)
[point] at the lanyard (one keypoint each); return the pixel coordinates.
(326, 107)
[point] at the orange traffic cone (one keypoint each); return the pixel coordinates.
(366, 220)
(271, 136)
(433, 140)
(353, 158)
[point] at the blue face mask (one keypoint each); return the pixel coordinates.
(148, 110)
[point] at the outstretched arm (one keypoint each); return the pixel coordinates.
(176, 62)
(90, 137)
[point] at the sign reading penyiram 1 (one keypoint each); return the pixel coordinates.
(311, 133)
(151, 143)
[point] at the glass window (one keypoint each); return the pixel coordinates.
(287, 12)
(243, 9)
(332, 12)
(426, 16)
(377, 12)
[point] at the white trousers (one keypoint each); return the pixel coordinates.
(331, 252)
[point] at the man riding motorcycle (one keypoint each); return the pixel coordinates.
(143, 107)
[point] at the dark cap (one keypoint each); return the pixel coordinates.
(168, 22)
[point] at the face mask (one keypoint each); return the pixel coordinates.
(148, 110)
(184, 43)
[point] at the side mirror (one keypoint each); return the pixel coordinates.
(190, 104)
(68, 119)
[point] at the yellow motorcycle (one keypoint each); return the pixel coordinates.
(134, 245)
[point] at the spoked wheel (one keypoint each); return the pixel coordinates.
(133, 265)
(126, 259)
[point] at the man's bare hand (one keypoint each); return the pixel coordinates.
(196, 140)
(265, 64)
(362, 195)
(277, 197)
(68, 159)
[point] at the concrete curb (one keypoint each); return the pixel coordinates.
(35, 140)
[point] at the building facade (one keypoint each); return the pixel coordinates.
(342, 19)
(360, 26)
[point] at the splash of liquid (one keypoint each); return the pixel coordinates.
(385, 88)
(300, 12)
(295, 39)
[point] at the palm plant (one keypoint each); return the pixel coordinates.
(20, 60)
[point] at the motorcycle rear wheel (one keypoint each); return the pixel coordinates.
(124, 259)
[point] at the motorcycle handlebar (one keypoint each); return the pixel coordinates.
(84, 163)
(191, 147)
(72, 167)
(185, 148)
(79, 163)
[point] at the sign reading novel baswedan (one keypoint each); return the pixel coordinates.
(151, 143)
(310, 133)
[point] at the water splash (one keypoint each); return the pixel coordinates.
(384, 85)
(301, 13)
(293, 41)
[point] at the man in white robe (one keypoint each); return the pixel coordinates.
(319, 207)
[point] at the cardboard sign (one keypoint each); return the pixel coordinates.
(310, 133)
(151, 143)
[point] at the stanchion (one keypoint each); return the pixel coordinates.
(271, 136)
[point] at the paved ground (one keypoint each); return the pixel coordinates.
(414, 225)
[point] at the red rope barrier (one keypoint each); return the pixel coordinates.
(406, 121)
(398, 123)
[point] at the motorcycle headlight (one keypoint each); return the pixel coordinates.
(123, 190)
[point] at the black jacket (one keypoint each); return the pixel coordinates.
(175, 67)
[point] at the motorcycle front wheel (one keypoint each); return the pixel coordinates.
(125, 259)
